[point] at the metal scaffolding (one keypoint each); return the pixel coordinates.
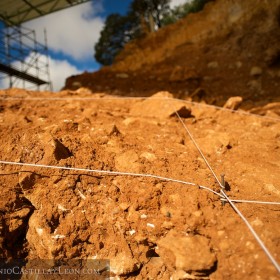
(16, 12)
(24, 61)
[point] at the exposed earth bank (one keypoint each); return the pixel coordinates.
(231, 48)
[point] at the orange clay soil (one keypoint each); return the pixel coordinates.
(149, 228)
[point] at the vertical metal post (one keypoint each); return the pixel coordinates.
(47, 62)
(223, 186)
(223, 181)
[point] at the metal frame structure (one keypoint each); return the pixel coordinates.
(23, 60)
(15, 12)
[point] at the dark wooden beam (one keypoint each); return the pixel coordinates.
(22, 75)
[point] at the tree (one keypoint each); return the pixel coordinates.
(143, 16)
(150, 12)
(183, 10)
(175, 14)
(118, 30)
(197, 5)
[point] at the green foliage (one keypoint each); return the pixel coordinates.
(144, 16)
(175, 14)
(197, 5)
(155, 9)
(118, 30)
(183, 10)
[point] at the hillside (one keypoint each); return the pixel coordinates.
(228, 49)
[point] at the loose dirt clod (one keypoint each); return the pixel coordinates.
(191, 254)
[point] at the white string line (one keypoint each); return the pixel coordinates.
(207, 163)
(253, 232)
(229, 110)
(253, 201)
(69, 98)
(196, 145)
(230, 202)
(124, 98)
(174, 180)
(110, 173)
(134, 98)
(127, 97)
(138, 175)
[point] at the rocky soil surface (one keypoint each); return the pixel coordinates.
(231, 48)
(158, 213)
(149, 228)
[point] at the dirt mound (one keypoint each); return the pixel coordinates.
(228, 49)
(149, 227)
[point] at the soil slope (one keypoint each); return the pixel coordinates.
(230, 48)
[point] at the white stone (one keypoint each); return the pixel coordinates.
(131, 232)
(257, 222)
(233, 102)
(81, 194)
(60, 207)
(256, 71)
(213, 65)
(39, 231)
(272, 189)
(123, 263)
(150, 225)
(58, 236)
(148, 156)
(122, 75)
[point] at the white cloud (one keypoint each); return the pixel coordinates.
(174, 3)
(59, 71)
(73, 31)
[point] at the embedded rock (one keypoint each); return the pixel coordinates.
(233, 103)
(161, 105)
(128, 161)
(256, 71)
(180, 74)
(123, 263)
(188, 253)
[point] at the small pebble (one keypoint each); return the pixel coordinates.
(150, 225)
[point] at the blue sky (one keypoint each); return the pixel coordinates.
(99, 9)
(72, 34)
